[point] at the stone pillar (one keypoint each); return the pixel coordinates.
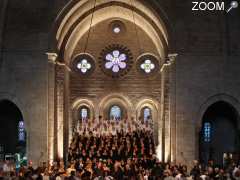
(51, 105)
(59, 98)
(62, 98)
(172, 98)
(166, 112)
(68, 129)
(168, 118)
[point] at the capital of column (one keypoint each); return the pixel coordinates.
(52, 57)
(172, 57)
(169, 61)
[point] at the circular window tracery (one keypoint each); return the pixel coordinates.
(83, 64)
(116, 60)
(117, 27)
(147, 65)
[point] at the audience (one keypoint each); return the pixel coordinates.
(115, 151)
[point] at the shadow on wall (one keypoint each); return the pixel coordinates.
(219, 133)
(12, 131)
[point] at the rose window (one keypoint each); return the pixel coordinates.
(115, 60)
(147, 66)
(83, 64)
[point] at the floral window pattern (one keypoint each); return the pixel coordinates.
(84, 66)
(147, 66)
(116, 60)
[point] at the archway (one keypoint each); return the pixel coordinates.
(219, 134)
(85, 30)
(116, 102)
(153, 106)
(12, 130)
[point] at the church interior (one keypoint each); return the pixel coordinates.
(122, 88)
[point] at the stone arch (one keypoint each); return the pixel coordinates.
(147, 102)
(19, 104)
(154, 105)
(69, 25)
(13, 104)
(77, 104)
(213, 99)
(234, 102)
(115, 99)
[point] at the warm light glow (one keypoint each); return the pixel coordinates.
(51, 149)
(167, 152)
(159, 152)
(60, 128)
(99, 16)
(60, 139)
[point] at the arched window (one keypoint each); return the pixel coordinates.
(21, 131)
(146, 113)
(115, 112)
(84, 113)
(207, 132)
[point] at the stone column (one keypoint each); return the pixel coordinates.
(59, 98)
(172, 98)
(68, 129)
(168, 120)
(51, 105)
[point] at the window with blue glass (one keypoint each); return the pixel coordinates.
(146, 113)
(84, 113)
(21, 131)
(207, 131)
(115, 112)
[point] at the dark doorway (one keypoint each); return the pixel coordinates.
(219, 133)
(12, 130)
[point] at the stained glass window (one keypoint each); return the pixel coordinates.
(147, 66)
(115, 61)
(146, 113)
(21, 131)
(207, 131)
(84, 113)
(84, 66)
(115, 112)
